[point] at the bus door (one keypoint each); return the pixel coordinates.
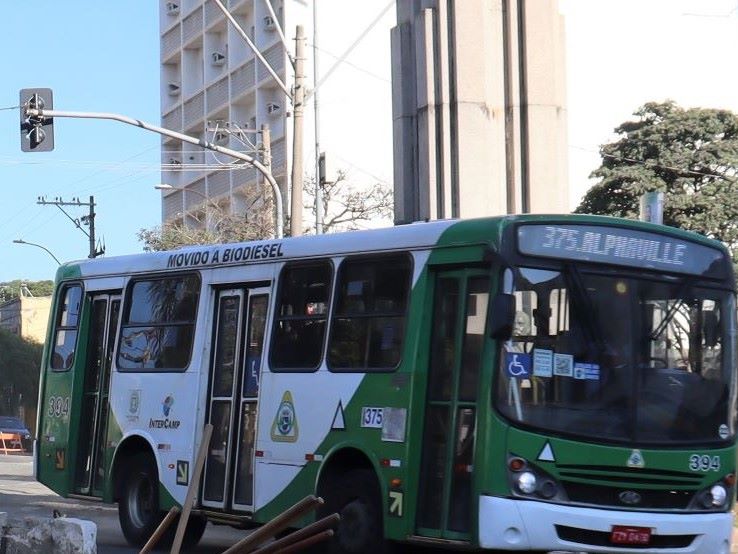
(238, 345)
(445, 501)
(90, 464)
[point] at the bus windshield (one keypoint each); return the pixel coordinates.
(643, 359)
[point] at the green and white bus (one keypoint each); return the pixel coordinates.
(513, 383)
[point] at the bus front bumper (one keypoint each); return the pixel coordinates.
(508, 524)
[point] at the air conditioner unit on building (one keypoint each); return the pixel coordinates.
(174, 88)
(269, 23)
(218, 59)
(272, 108)
(172, 8)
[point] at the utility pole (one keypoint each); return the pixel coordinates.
(316, 108)
(266, 146)
(298, 107)
(88, 220)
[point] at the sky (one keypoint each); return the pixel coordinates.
(104, 56)
(624, 53)
(95, 56)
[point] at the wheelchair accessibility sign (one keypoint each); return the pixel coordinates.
(517, 364)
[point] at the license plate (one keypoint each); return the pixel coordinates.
(625, 534)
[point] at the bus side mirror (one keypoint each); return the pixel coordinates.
(501, 316)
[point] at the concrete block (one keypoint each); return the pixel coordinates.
(50, 536)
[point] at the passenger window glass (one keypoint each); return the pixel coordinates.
(66, 323)
(158, 324)
(368, 325)
(299, 328)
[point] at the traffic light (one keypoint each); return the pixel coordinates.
(37, 132)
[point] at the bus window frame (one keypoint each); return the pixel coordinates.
(405, 315)
(126, 305)
(61, 289)
(276, 318)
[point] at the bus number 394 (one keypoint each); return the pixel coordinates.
(58, 406)
(704, 462)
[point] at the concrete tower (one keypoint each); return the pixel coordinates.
(479, 108)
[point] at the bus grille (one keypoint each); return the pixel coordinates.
(610, 496)
(603, 486)
(618, 474)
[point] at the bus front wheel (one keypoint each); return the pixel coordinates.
(139, 512)
(355, 496)
(138, 505)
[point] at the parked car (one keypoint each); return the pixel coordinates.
(10, 424)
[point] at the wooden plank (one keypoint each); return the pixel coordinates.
(282, 521)
(192, 489)
(163, 526)
(315, 528)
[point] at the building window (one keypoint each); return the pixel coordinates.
(66, 324)
(159, 324)
(302, 314)
(368, 323)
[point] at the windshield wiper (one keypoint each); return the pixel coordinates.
(585, 308)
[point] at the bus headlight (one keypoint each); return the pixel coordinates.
(530, 480)
(718, 495)
(527, 482)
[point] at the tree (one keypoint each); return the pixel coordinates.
(12, 289)
(689, 154)
(20, 361)
(344, 208)
(213, 224)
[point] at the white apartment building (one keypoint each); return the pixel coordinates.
(479, 121)
(210, 77)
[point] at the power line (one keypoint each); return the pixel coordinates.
(355, 66)
(653, 164)
(364, 171)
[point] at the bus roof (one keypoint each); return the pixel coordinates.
(401, 237)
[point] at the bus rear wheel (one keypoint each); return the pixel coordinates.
(355, 496)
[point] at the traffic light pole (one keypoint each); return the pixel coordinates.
(264, 170)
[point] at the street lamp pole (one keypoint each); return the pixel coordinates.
(21, 241)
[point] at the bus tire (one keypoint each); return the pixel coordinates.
(138, 505)
(355, 496)
(193, 533)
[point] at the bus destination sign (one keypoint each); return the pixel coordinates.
(629, 247)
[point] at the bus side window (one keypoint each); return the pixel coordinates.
(159, 324)
(66, 323)
(368, 324)
(302, 314)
